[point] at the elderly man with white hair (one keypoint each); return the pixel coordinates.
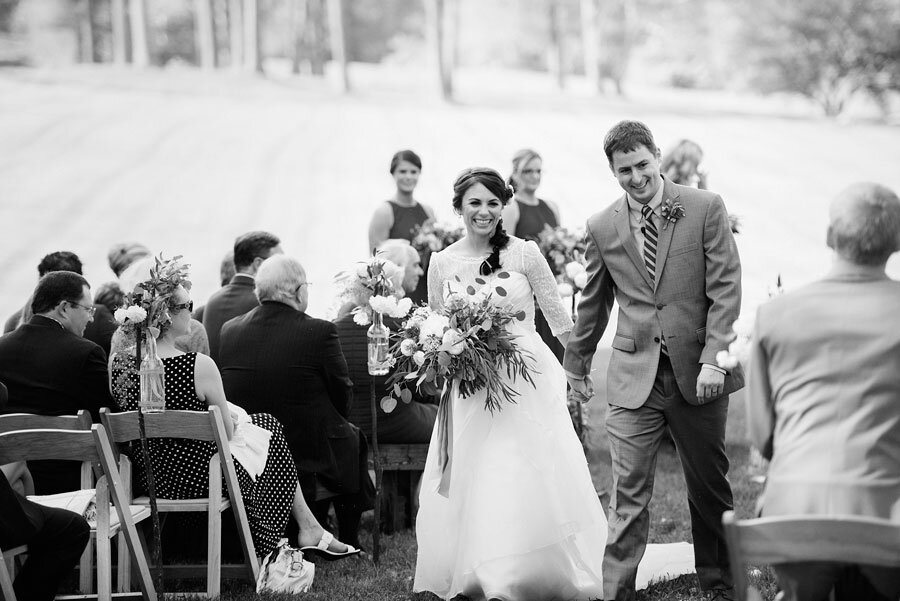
(824, 393)
(276, 359)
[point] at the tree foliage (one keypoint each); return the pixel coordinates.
(827, 50)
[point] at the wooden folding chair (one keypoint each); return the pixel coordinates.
(796, 538)
(90, 446)
(195, 425)
(29, 421)
(7, 569)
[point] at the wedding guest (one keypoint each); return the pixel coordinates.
(110, 295)
(56, 539)
(824, 393)
(526, 217)
(50, 369)
(237, 297)
(398, 217)
(226, 272)
(132, 263)
(409, 422)
(265, 472)
(98, 331)
(277, 359)
(681, 165)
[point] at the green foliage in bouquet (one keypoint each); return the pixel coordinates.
(467, 341)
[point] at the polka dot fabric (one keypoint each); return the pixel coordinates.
(181, 466)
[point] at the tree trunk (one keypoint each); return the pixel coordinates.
(140, 51)
(338, 42)
(590, 38)
(235, 34)
(119, 32)
(557, 58)
(315, 36)
(86, 31)
(252, 54)
(436, 12)
(205, 36)
(298, 24)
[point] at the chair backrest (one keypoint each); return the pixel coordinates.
(782, 539)
(32, 421)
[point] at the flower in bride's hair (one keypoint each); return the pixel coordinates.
(408, 347)
(120, 315)
(135, 314)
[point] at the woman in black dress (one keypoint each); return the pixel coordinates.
(398, 217)
(527, 216)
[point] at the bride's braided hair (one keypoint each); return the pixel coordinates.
(495, 184)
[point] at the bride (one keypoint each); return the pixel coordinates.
(520, 519)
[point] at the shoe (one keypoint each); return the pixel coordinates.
(721, 594)
(321, 550)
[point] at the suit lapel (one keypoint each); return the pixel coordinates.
(623, 227)
(666, 228)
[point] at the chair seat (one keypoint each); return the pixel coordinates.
(180, 504)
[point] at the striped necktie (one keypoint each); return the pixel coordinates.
(651, 242)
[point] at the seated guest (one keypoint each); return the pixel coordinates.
(99, 331)
(132, 262)
(238, 297)
(226, 272)
(824, 393)
(266, 472)
(50, 369)
(408, 422)
(276, 359)
(109, 295)
(56, 538)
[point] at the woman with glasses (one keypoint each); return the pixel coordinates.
(268, 481)
(527, 216)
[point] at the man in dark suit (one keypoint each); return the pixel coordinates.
(56, 539)
(100, 330)
(666, 253)
(238, 297)
(276, 359)
(50, 369)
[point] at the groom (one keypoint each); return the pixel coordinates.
(666, 253)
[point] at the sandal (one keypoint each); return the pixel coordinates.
(321, 550)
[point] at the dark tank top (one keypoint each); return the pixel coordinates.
(406, 219)
(532, 219)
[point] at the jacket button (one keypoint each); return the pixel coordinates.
(660, 306)
(656, 339)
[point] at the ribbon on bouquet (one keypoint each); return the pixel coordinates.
(445, 439)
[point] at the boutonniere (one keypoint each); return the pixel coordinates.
(671, 212)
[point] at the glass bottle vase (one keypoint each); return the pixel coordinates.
(152, 374)
(378, 342)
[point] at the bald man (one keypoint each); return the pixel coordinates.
(824, 393)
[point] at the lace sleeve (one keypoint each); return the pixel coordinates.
(545, 289)
(435, 281)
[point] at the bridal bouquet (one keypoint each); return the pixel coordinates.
(561, 246)
(739, 349)
(468, 342)
(370, 286)
(433, 237)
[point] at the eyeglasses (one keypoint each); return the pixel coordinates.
(531, 171)
(181, 306)
(90, 310)
(301, 285)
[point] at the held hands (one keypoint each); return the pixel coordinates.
(710, 383)
(583, 388)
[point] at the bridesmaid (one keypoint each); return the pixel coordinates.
(527, 216)
(398, 217)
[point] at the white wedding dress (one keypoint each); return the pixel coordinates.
(521, 520)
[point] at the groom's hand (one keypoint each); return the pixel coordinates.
(710, 383)
(583, 387)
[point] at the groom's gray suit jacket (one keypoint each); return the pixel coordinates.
(693, 302)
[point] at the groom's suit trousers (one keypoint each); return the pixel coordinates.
(635, 436)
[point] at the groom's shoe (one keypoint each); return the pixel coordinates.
(721, 594)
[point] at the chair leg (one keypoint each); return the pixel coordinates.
(7, 569)
(104, 569)
(123, 561)
(86, 567)
(214, 527)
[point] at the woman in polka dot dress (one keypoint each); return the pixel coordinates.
(181, 467)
